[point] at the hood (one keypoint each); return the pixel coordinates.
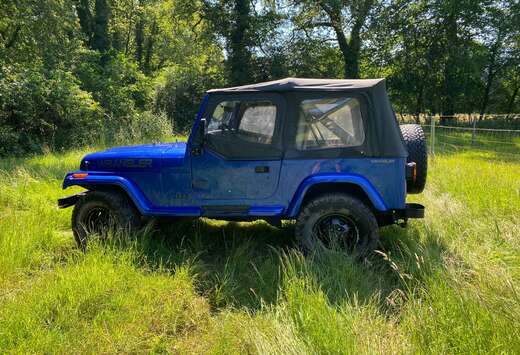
(136, 158)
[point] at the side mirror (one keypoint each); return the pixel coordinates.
(198, 142)
(201, 131)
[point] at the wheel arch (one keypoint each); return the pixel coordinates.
(354, 185)
(114, 188)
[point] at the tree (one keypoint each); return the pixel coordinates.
(139, 39)
(499, 31)
(100, 38)
(239, 42)
(244, 26)
(95, 24)
(232, 19)
(346, 19)
(406, 48)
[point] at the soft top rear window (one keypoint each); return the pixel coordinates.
(332, 122)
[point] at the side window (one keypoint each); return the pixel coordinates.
(257, 122)
(222, 117)
(329, 123)
(252, 121)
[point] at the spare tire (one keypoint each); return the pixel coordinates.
(415, 143)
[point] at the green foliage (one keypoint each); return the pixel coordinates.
(178, 94)
(60, 109)
(245, 28)
(82, 84)
(444, 56)
(117, 84)
(145, 127)
(89, 68)
(44, 108)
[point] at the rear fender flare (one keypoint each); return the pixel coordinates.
(363, 183)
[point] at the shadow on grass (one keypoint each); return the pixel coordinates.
(234, 263)
(248, 264)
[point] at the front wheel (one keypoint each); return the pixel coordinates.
(98, 213)
(337, 220)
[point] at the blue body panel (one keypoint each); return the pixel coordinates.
(166, 180)
(215, 178)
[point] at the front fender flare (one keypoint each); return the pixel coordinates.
(144, 206)
(358, 180)
(92, 179)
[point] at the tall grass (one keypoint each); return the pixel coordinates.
(447, 284)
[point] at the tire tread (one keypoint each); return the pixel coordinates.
(415, 142)
(331, 201)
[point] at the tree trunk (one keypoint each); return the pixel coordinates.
(419, 104)
(350, 58)
(349, 48)
(512, 100)
(139, 39)
(491, 72)
(149, 48)
(487, 90)
(100, 39)
(129, 31)
(14, 37)
(450, 85)
(352, 71)
(85, 19)
(239, 61)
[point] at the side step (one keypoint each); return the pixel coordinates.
(225, 211)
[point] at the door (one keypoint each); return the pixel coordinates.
(239, 163)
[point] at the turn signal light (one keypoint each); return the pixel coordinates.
(411, 171)
(79, 175)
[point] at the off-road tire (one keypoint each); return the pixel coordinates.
(123, 215)
(415, 143)
(337, 204)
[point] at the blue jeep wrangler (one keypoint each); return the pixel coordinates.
(326, 153)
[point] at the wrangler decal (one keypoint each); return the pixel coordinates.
(126, 163)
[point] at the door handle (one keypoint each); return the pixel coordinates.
(196, 151)
(261, 169)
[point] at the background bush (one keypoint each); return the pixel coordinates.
(77, 71)
(39, 108)
(178, 94)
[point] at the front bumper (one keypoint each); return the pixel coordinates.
(69, 200)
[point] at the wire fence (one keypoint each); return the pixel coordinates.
(445, 139)
(490, 121)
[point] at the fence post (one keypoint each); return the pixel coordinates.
(474, 131)
(432, 135)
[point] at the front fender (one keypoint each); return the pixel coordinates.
(358, 180)
(98, 178)
(134, 193)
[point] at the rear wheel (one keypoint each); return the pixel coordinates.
(415, 143)
(337, 221)
(98, 213)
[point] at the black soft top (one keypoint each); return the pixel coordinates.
(383, 136)
(303, 84)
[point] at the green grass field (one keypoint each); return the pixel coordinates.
(447, 284)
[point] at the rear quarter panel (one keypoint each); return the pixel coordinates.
(387, 176)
